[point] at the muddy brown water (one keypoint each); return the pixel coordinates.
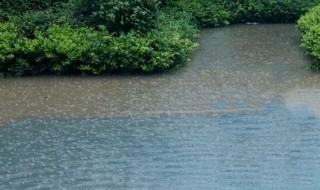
(242, 114)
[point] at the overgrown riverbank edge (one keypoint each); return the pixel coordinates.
(103, 36)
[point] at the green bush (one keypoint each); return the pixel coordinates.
(166, 3)
(18, 7)
(71, 50)
(26, 5)
(17, 54)
(179, 21)
(84, 50)
(101, 36)
(310, 19)
(206, 13)
(32, 21)
(311, 41)
(309, 25)
(117, 16)
(166, 47)
(271, 11)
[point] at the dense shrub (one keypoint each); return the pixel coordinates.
(101, 36)
(153, 52)
(282, 11)
(71, 50)
(17, 54)
(117, 16)
(171, 43)
(32, 21)
(310, 19)
(311, 41)
(206, 13)
(309, 25)
(221, 12)
(178, 21)
(166, 3)
(25, 5)
(84, 50)
(18, 7)
(64, 49)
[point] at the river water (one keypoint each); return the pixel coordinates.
(244, 113)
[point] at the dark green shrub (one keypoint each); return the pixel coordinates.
(311, 41)
(18, 7)
(117, 16)
(309, 25)
(166, 3)
(179, 21)
(166, 47)
(100, 36)
(84, 50)
(271, 11)
(17, 53)
(206, 13)
(32, 21)
(27, 5)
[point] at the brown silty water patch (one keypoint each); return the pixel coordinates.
(236, 69)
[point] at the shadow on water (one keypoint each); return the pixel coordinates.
(275, 148)
(243, 114)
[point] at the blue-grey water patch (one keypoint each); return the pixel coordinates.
(219, 105)
(274, 149)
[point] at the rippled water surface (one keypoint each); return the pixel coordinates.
(243, 114)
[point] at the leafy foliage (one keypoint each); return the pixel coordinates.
(310, 19)
(117, 16)
(16, 52)
(283, 11)
(309, 25)
(311, 41)
(70, 50)
(206, 13)
(18, 7)
(64, 49)
(101, 36)
(32, 21)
